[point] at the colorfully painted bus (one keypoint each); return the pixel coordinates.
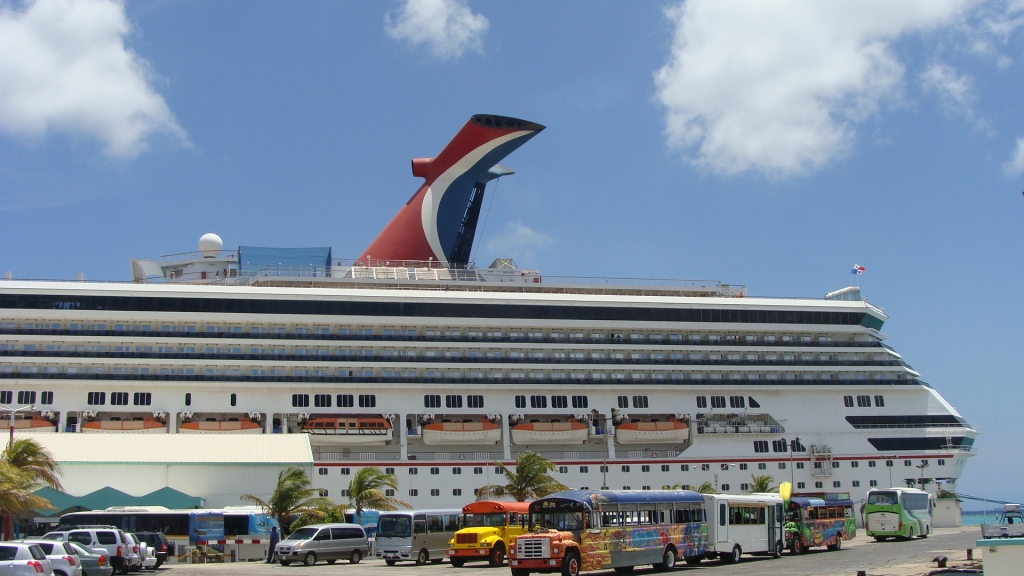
(744, 524)
(819, 520)
(488, 528)
(582, 530)
(898, 513)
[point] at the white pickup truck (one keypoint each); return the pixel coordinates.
(1009, 525)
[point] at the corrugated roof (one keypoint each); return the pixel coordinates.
(127, 448)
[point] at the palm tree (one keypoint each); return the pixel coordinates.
(323, 514)
(28, 456)
(531, 480)
(365, 492)
(707, 488)
(761, 484)
(292, 495)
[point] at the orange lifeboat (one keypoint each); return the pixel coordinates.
(482, 432)
(571, 432)
(214, 426)
(348, 430)
(672, 431)
(33, 425)
(144, 426)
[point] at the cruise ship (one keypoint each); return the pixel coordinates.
(412, 359)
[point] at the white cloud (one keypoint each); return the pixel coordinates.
(1015, 165)
(64, 67)
(518, 240)
(447, 27)
(779, 87)
(954, 90)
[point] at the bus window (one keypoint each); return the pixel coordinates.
(419, 524)
(722, 514)
(435, 523)
(761, 516)
(883, 498)
(812, 513)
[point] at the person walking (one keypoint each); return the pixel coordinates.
(274, 539)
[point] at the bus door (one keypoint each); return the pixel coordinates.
(772, 533)
(723, 522)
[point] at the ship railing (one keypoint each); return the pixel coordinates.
(457, 456)
(196, 255)
(360, 456)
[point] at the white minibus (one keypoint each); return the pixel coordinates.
(744, 524)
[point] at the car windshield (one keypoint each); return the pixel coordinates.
(394, 527)
(494, 519)
(303, 534)
(557, 520)
(58, 536)
(886, 498)
(81, 551)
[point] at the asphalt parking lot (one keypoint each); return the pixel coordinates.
(862, 553)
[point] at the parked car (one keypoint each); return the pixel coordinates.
(330, 542)
(109, 538)
(94, 563)
(160, 546)
(63, 558)
(20, 559)
(135, 553)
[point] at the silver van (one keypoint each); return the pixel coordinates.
(330, 542)
(420, 535)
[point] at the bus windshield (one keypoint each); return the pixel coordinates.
(394, 527)
(557, 520)
(883, 498)
(495, 519)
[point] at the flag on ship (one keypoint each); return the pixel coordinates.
(857, 269)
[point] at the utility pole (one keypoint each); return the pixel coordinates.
(12, 410)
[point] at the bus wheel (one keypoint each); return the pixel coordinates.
(777, 552)
(693, 560)
(733, 556)
(796, 548)
(571, 564)
(927, 531)
(497, 555)
(309, 559)
(838, 545)
(458, 562)
(422, 557)
(668, 560)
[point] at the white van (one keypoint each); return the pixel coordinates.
(744, 524)
(330, 542)
(420, 535)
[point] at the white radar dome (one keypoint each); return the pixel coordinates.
(210, 245)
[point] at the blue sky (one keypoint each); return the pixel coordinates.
(772, 145)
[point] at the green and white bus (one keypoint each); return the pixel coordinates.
(900, 513)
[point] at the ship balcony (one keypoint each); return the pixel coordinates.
(737, 423)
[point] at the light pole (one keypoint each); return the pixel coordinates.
(12, 410)
(716, 476)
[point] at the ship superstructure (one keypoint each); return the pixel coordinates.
(412, 359)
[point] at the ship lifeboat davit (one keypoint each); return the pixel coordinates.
(113, 425)
(671, 432)
(33, 425)
(213, 426)
(482, 432)
(571, 432)
(330, 430)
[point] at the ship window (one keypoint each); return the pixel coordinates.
(119, 398)
(736, 402)
(367, 400)
(584, 469)
(718, 401)
(188, 399)
(478, 470)
(319, 400)
(779, 446)
(520, 401)
(801, 485)
(864, 401)
(435, 492)
(559, 402)
(142, 398)
(639, 401)
(414, 492)
(580, 402)
(345, 471)
(848, 401)
(300, 400)
(456, 470)
(431, 400)
(321, 471)
(47, 398)
(879, 401)
(799, 465)
(345, 401)
(475, 401)
(753, 403)
(453, 401)
(94, 398)
(873, 483)
(26, 397)
(819, 484)
(414, 471)
(782, 465)
(625, 468)
(702, 401)
(538, 401)
(435, 470)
